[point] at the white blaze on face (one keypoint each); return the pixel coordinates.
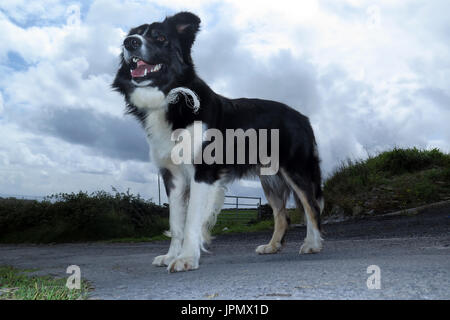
(143, 50)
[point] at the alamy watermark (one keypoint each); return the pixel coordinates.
(190, 147)
(373, 17)
(74, 280)
(73, 14)
(374, 280)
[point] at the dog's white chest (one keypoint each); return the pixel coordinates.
(153, 102)
(148, 98)
(159, 133)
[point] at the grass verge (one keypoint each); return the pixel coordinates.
(237, 227)
(16, 284)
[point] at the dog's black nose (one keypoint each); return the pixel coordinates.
(132, 43)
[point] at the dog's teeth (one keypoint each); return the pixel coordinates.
(145, 73)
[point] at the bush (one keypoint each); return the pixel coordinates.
(80, 216)
(399, 161)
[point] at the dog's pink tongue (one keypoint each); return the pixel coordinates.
(140, 70)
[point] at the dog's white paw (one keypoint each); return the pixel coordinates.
(268, 248)
(162, 261)
(310, 247)
(183, 264)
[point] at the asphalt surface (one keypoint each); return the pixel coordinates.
(412, 252)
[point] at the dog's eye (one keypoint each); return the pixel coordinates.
(161, 38)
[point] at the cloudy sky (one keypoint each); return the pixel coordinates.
(371, 75)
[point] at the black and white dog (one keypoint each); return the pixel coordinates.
(161, 88)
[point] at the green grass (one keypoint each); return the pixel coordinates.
(390, 181)
(17, 284)
(238, 227)
(228, 216)
(227, 222)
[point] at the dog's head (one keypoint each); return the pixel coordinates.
(158, 54)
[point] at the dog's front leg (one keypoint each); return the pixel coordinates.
(178, 193)
(198, 213)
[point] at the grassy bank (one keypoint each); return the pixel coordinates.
(390, 181)
(17, 284)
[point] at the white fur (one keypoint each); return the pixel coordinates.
(143, 49)
(144, 83)
(321, 203)
(158, 130)
(204, 203)
(313, 240)
(215, 203)
(178, 206)
(148, 98)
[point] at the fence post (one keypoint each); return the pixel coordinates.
(237, 207)
(259, 210)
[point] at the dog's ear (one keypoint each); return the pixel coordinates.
(186, 25)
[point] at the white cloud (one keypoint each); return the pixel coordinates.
(1, 103)
(250, 183)
(23, 10)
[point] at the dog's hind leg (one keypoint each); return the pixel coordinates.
(304, 191)
(277, 193)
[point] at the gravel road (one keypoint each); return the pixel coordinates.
(412, 253)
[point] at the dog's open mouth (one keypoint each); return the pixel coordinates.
(140, 69)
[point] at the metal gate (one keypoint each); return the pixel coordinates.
(240, 209)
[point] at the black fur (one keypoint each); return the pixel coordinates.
(167, 179)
